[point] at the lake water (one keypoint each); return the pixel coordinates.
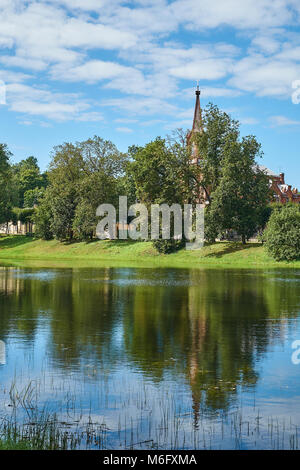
(153, 358)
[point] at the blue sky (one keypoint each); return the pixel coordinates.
(126, 71)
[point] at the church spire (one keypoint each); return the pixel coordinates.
(197, 123)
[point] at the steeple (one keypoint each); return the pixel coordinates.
(197, 123)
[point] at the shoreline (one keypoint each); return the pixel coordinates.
(22, 250)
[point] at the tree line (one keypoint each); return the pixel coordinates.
(83, 175)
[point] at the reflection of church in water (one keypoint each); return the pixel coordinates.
(282, 192)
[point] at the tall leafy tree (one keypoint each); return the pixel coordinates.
(240, 199)
(101, 182)
(66, 170)
(156, 170)
(28, 177)
(7, 190)
(219, 129)
(81, 177)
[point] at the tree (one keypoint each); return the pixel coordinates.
(154, 169)
(32, 196)
(28, 178)
(219, 129)
(242, 195)
(43, 218)
(84, 220)
(7, 193)
(65, 173)
(160, 172)
(282, 235)
(101, 182)
(81, 177)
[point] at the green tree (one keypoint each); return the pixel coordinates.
(154, 169)
(81, 177)
(84, 220)
(7, 190)
(65, 172)
(282, 235)
(32, 196)
(102, 181)
(240, 200)
(160, 172)
(219, 129)
(43, 217)
(28, 178)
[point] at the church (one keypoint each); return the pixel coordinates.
(282, 192)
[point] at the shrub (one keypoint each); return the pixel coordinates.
(168, 246)
(282, 235)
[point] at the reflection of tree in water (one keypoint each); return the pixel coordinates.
(80, 308)
(216, 329)
(207, 326)
(17, 305)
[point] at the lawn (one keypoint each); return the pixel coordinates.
(99, 252)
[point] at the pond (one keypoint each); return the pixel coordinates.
(139, 358)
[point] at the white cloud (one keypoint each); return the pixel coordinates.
(68, 40)
(235, 13)
(214, 92)
(43, 33)
(13, 77)
(205, 69)
(91, 116)
(93, 71)
(57, 106)
(270, 76)
(126, 120)
(25, 123)
(126, 130)
(265, 43)
(26, 63)
(248, 121)
(141, 106)
(283, 121)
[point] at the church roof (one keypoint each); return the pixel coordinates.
(197, 122)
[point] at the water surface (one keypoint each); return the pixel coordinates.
(154, 358)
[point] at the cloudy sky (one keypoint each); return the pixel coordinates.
(127, 70)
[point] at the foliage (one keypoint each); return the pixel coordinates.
(43, 218)
(7, 194)
(282, 235)
(154, 169)
(26, 215)
(168, 246)
(84, 220)
(32, 196)
(220, 129)
(82, 176)
(27, 178)
(240, 200)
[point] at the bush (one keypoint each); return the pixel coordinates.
(282, 235)
(168, 246)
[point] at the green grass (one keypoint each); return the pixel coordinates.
(23, 249)
(12, 445)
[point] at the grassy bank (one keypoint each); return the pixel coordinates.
(129, 253)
